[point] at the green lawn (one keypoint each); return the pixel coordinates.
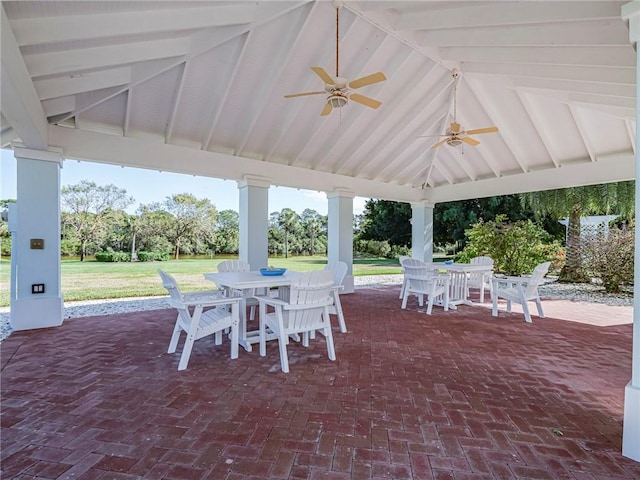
(94, 280)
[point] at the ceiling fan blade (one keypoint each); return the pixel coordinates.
(469, 141)
(368, 80)
(326, 110)
(440, 143)
(441, 135)
(321, 72)
(291, 95)
(369, 102)
(482, 130)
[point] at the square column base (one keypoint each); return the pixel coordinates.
(631, 424)
(30, 313)
(347, 283)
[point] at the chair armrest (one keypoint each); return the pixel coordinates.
(211, 302)
(202, 295)
(270, 300)
(510, 281)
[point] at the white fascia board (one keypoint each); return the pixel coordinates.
(612, 168)
(138, 153)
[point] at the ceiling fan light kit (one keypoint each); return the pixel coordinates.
(340, 89)
(337, 100)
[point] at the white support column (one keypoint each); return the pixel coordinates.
(254, 221)
(631, 422)
(37, 236)
(341, 233)
(422, 231)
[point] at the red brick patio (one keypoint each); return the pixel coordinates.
(457, 395)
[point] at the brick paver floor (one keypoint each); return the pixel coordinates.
(457, 395)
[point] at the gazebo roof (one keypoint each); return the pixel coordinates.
(198, 87)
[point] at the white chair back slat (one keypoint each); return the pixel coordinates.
(233, 266)
(537, 279)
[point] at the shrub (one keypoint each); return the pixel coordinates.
(113, 257)
(516, 248)
(611, 258)
(153, 256)
(375, 248)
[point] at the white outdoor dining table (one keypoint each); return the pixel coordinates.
(458, 283)
(249, 280)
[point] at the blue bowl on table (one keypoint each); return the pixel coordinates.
(272, 272)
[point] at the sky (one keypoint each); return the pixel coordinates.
(149, 186)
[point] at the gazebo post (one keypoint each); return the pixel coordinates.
(254, 221)
(422, 231)
(340, 226)
(631, 422)
(37, 299)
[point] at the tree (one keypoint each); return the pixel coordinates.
(90, 207)
(386, 220)
(313, 225)
(190, 221)
(227, 232)
(289, 223)
(574, 203)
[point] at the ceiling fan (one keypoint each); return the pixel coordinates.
(455, 135)
(339, 89)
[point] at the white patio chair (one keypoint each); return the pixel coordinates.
(248, 294)
(339, 270)
(307, 310)
(222, 315)
(481, 280)
(423, 280)
(520, 290)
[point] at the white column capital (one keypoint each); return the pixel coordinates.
(423, 204)
(631, 14)
(254, 181)
(341, 193)
(52, 154)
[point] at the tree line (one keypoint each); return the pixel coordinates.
(94, 220)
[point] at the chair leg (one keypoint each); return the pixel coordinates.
(403, 288)
(509, 306)
(494, 310)
(405, 298)
(539, 305)
(173, 344)
(525, 309)
(186, 352)
(343, 325)
(263, 327)
(284, 359)
(328, 335)
(218, 337)
(234, 339)
(482, 293)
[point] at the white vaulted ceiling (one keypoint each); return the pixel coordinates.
(198, 87)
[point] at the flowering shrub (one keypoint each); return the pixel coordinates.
(611, 258)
